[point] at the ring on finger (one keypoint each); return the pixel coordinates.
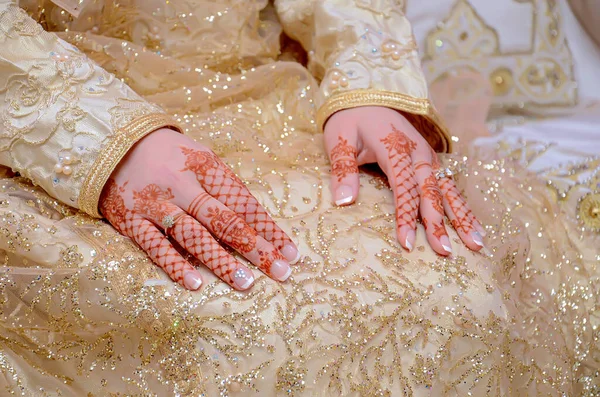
(168, 221)
(444, 173)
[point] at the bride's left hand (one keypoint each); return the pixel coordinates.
(373, 134)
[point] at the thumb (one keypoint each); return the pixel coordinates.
(344, 168)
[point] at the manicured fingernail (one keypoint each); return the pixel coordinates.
(486, 252)
(410, 240)
(243, 278)
(280, 270)
(291, 253)
(445, 241)
(479, 228)
(477, 239)
(343, 195)
(192, 281)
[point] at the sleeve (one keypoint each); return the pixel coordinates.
(365, 54)
(65, 123)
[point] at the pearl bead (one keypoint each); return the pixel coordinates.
(335, 75)
(58, 168)
(67, 170)
(67, 160)
(395, 55)
(344, 82)
(334, 84)
(387, 47)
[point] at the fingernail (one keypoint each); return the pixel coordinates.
(486, 252)
(243, 278)
(192, 281)
(445, 241)
(343, 195)
(280, 270)
(291, 253)
(477, 239)
(410, 240)
(480, 228)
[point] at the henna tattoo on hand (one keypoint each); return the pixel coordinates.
(431, 191)
(232, 230)
(142, 231)
(220, 182)
(198, 241)
(152, 201)
(463, 217)
(343, 159)
(400, 147)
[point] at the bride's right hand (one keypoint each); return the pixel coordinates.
(169, 186)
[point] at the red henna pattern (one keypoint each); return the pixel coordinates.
(439, 230)
(421, 164)
(152, 201)
(198, 241)
(221, 183)
(232, 230)
(463, 217)
(343, 159)
(431, 191)
(112, 204)
(142, 231)
(398, 142)
(266, 260)
(399, 148)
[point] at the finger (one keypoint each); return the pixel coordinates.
(402, 178)
(197, 240)
(219, 181)
(344, 170)
(232, 230)
(431, 206)
(162, 252)
(460, 215)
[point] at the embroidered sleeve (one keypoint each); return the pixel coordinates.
(65, 122)
(365, 54)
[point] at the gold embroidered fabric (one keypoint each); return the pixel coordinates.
(363, 46)
(59, 111)
(83, 312)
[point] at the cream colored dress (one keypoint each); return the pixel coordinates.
(84, 312)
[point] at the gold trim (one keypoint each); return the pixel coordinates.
(419, 111)
(112, 154)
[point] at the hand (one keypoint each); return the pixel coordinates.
(169, 186)
(382, 135)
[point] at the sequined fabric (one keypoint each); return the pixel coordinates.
(84, 312)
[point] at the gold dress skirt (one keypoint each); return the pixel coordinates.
(84, 312)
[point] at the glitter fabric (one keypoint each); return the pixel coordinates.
(84, 312)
